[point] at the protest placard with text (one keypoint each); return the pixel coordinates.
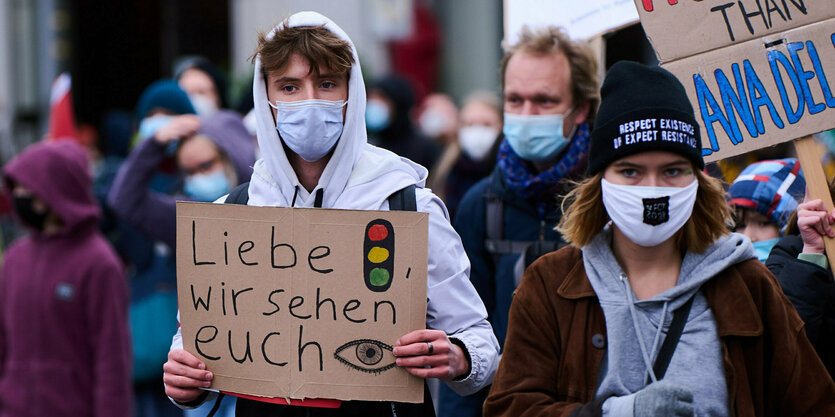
(758, 72)
(302, 303)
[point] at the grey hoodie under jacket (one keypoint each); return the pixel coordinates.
(697, 361)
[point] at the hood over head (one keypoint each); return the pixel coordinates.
(274, 180)
(203, 64)
(57, 173)
(399, 91)
(226, 129)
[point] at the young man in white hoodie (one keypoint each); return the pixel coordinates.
(310, 107)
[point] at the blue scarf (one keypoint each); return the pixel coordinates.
(526, 182)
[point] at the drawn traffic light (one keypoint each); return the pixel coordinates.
(378, 255)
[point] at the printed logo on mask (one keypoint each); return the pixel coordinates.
(656, 210)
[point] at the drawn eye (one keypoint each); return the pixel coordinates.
(366, 355)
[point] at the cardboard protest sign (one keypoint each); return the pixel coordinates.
(302, 303)
(758, 72)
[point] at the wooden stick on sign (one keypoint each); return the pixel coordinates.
(809, 154)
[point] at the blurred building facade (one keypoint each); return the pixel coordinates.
(114, 49)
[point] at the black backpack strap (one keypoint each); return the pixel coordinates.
(493, 227)
(494, 216)
(404, 199)
(238, 195)
(665, 355)
(494, 231)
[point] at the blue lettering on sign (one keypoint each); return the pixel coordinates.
(706, 99)
(816, 63)
(734, 102)
(759, 98)
(804, 77)
(775, 58)
(744, 98)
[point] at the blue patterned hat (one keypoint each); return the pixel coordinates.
(772, 188)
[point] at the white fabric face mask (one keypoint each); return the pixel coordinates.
(649, 216)
(476, 141)
(310, 128)
(432, 123)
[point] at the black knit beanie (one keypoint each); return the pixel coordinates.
(643, 109)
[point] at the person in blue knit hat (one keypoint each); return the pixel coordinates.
(157, 106)
(764, 196)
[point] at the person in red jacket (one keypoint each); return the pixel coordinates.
(64, 342)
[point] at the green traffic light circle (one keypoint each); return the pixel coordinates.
(379, 277)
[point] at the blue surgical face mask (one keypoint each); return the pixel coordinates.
(310, 128)
(207, 187)
(763, 247)
(150, 125)
(377, 115)
(535, 137)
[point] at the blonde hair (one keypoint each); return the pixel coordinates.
(584, 214)
(551, 40)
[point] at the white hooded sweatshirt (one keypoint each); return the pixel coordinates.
(360, 176)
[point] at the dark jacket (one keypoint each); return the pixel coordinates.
(64, 341)
(811, 290)
(155, 213)
(465, 174)
(553, 351)
(521, 222)
(494, 275)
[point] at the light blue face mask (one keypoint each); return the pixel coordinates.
(310, 128)
(763, 247)
(207, 187)
(150, 125)
(376, 116)
(535, 137)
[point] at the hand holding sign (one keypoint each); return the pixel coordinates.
(814, 222)
(430, 354)
(184, 375)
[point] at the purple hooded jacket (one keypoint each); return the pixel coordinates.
(64, 341)
(155, 214)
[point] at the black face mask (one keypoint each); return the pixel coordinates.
(24, 208)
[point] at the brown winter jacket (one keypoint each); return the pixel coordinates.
(556, 341)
